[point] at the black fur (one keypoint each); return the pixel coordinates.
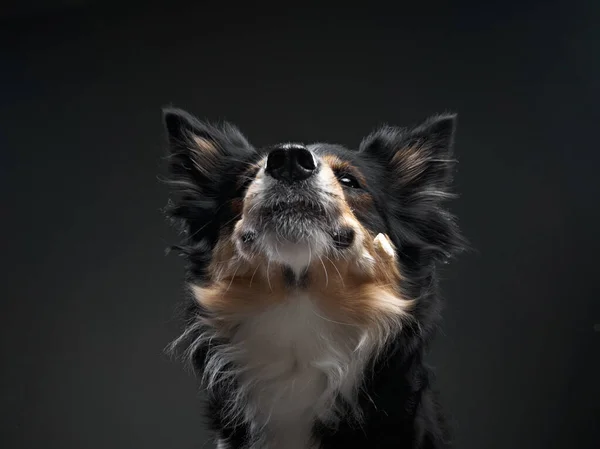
(409, 174)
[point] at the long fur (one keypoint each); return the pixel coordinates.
(323, 350)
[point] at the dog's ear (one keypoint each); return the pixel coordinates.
(197, 150)
(419, 163)
(418, 158)
(200, 155)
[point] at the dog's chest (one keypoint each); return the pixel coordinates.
(293, 362)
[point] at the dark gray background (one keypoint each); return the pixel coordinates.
(89, 296)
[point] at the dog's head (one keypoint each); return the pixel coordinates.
(357, 229)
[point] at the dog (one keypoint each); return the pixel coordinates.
(312, 280)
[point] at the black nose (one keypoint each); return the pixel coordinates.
(290, 164)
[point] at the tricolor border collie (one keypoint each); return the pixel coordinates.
(312, 282)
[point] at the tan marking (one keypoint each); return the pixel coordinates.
(239, 285)
(344, 289)
(409, 163)
(205, 156)
(361, 201)
(337, 164)
(349, 292)
(206, 145)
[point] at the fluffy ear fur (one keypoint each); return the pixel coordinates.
(201, 158)
(420, 164)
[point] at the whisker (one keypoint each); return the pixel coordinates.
(448, 161)
(336, 269)
(268, 277)
(201, 228)
(255, 270)
(253, 207)
(325, 270)
(233, 277)
(232, 219)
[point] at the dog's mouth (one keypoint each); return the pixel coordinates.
(294, 232)
(341, 238)
(297, 221)
(300, 208)
(290, 213)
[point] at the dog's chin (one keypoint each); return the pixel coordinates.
(295, 247)
(298, 253)
(295, 250)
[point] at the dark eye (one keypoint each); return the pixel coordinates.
(348, 181)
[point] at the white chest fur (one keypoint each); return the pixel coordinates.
(293, 361)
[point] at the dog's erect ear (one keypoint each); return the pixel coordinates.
(419, 158)
(200, 156)
(420, 165)
(198, 149)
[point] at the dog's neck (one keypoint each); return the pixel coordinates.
(288, 365)
(292, 363)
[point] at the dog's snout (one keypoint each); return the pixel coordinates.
(290, 164)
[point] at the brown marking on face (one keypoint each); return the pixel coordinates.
(239, 285)
(352, 293)
(338, 165)
(360, 200)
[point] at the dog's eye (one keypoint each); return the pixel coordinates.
(349, 181)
